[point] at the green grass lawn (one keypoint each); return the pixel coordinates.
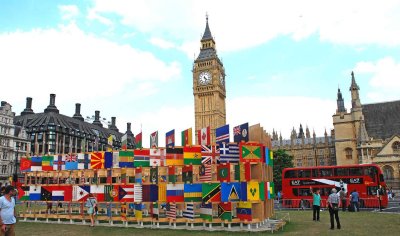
(360, 223)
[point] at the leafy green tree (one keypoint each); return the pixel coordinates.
(282, 160)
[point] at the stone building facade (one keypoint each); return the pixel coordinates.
(307, 150)
(14, 143)
(368, 133)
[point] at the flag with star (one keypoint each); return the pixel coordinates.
(243, 211)
(225, 211)
(187, 174)
(250, 152)
(192, 155)
(223, 172)
(186, 136)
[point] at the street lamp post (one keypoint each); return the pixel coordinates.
(16, 166)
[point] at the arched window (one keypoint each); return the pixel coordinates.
(349, 153)
(396, 147)
(388, 172)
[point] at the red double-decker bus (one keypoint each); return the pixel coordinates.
(364, 178)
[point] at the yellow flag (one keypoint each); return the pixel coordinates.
(253, 191)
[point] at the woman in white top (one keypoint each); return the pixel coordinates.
(7, 212)
(91, 203)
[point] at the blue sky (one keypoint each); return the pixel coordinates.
(132, 59)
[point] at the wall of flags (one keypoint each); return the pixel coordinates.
(231, 181)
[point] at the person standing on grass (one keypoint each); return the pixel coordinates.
(355, 198)
(333, 205)
(7, 212)
(342, 196)
(316, 203)
(91, 203)
(379, 194)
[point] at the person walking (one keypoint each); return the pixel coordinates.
(316, 204)
(379, 194)
(91, 203)
(342, 196)
(7, 212)
(333, 205)
(355, 198)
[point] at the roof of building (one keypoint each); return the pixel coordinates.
(207, 32)
(382, 120)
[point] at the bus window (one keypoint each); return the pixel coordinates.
(304, 192)
(370, 171)
(371, 190)
(304, 173)
(381, 178)
(295, 191)
(314, 172)
(341, 172)
(325, 172)
(290, 174)
(355, 171)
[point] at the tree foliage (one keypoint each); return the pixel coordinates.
(282, 160)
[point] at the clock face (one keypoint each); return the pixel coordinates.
(204, 78)
(222, 80)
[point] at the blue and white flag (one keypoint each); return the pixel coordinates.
(222, 135)
(229, 152)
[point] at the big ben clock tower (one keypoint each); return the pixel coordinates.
(209, 86)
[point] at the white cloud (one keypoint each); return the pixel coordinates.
(238, 25)
(93, 15)
(78, 67)
(159, 42)
(384, 75)
(68, 12)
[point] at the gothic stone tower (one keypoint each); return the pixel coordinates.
(209, 86)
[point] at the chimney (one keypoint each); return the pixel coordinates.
(97, 119)
(3, 103)
(128, 128)
(28, 108)
(77, 114)
(112, 126)
(52, 106)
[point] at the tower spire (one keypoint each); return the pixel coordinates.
(355, 98)
(207, 32)
(340, 102)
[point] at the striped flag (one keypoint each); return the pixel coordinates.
(229, 153)
(186, 136)
(188, 213)
(137, 192)
(211, 152)
(124, 141)
(206, 211)
(222, 135)
(171, 211)
(205, 169)
(175, 193)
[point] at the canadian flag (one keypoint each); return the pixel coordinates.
(204, 136)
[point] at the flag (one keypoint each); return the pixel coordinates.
(58, 162)
(241, 133)
(71, 162)
(109, 176)
(262, 191)
(47, 163)
(126, 159)
(192, 192)
(175, 193)
(57, 195)
(142, 158)
(138, 139)
(187, 137)
(45, 194)
(34, 193)
(150, 193)
(223, 172)
(243, 191)
(230, 192)
(23, 193)
(174, 156)
(137, 192)
(124, 140)
(245, 171)
(98, 192)
(154, 140)
(25, 164)
(253, 191)
(110, 143)
(108, 160)
(80, 193)
(188, 213)
(154, 210)
(36, 163)
(138, 175)
(83, 161)
(243, 211)
(123, 175)
(154, 175)
(205, 169)
(229, 152)
(204, 136)
(170, 139)
(171, 174)
(187, 174)
(271, 190)
(97, 160)
(211, 192)
(211, 152)
(162, 192)
(157, 157)
(269, 157)
(250, 152)
(138, 211)
(115, 159)
(206, 211)
(222, 135)
(171, 211)
(192, 155)
(225, 211)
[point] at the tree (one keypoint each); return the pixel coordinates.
(282, 160)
